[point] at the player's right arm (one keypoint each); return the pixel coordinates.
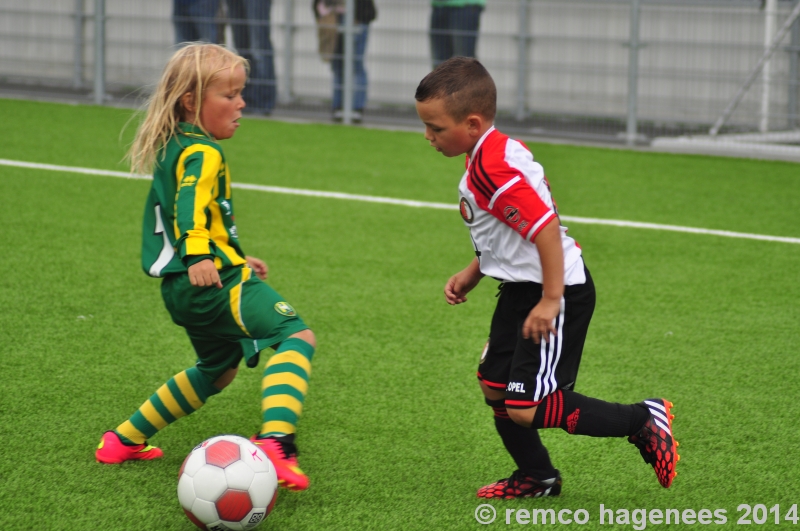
(456, 289)
(204, 273)
(197, 180)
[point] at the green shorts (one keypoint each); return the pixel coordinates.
(225, 325)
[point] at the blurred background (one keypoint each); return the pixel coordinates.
(644, 72)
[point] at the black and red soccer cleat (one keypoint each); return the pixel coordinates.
(655, 441)
(520, 485)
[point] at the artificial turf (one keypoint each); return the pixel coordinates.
(395, 435)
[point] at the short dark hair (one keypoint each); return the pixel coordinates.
(465, 86)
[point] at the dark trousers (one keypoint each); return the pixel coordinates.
(251, 35)
(195, 20)
(454, 32)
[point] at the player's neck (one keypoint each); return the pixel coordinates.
(481, 132)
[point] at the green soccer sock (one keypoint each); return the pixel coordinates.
(284, 386)
(181, 395)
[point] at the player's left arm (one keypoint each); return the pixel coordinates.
(522, 208)
(258, 266)
(540, 321)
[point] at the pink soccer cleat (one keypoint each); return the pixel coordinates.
(111, 451)
(284, 457)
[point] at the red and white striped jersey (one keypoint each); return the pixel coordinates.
(505, 202)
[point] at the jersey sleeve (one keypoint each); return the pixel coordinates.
(197, 177)
(504, 192)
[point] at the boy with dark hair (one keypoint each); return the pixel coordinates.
(528, 368)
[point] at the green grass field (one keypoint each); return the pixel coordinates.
(395, 435)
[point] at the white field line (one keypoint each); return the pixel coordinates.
(407, 202)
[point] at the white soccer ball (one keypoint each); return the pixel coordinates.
(227, 483)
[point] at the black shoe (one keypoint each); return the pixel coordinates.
(655, 441)
(520, 485)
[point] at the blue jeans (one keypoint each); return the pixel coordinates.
(251, 35)
(195, 20)
(360, 34)
(454, 32)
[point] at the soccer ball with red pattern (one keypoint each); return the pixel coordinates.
(227, 483)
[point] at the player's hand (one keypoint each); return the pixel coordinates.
(540, 323)
(258, 266)
(204, 273)
(456, 289)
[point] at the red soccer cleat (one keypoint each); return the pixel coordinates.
(655, 441)
(520, 485)
(111, 451)
(284, 457)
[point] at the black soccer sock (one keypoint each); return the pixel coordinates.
(582, 415)
(523, 444)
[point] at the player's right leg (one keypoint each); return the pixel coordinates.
(540, 394)
(655, 442)
(196, 310)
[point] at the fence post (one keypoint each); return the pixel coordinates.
(794, 55)
(633, 74)
(770, 11)
(349, 49)
(77, 77)
(522, 61)
(287, 94)
(99, 51)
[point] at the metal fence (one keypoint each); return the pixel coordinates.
(626, 70)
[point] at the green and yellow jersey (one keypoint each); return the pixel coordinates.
(189, 212)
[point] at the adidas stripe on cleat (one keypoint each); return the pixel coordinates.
(655, 441)
(284, 458)
(520, 485)
(111, 451)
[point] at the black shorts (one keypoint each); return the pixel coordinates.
(528, 372)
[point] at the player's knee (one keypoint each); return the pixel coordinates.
(492, 394)
(498, 407)
(496, 404)
(306, 335)
(227, 377)
(523, 417)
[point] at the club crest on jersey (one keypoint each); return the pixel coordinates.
(466, 210)
(284, 308)
(511, 214)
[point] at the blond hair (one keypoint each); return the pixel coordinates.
(190, 70)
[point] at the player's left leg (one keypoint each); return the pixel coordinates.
(271, 322)
(535, 475)
(284, 387)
